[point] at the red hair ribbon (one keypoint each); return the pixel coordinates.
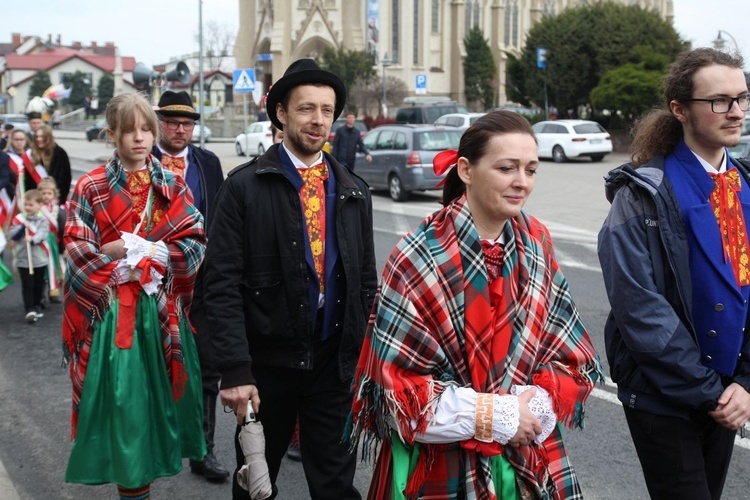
(444, 161)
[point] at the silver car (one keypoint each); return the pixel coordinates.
(402, 157)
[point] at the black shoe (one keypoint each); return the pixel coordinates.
(210, 468)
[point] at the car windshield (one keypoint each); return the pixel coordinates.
(16, 119)
(437, 140)
(588, 128)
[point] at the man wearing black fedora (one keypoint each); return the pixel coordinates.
(290, 280)
(201, 170)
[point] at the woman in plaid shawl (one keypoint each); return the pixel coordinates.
(475, 353)
(135, 241)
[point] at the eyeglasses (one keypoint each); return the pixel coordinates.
(722, 105)
(173, 125)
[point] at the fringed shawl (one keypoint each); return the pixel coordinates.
(429, 330)
(100, 210)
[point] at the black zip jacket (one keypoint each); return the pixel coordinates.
(257, 294)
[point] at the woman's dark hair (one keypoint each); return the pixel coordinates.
(473, 145)
(658, 132)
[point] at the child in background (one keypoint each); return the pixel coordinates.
(55, 215)
(29, 230)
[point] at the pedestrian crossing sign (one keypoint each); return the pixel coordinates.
(244, 80)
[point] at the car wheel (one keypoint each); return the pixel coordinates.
(238, 149)
(261, 150)
(597, 157)
(396, 189)
(559, 155)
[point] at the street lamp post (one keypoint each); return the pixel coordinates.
(720, 42)
(385, 62)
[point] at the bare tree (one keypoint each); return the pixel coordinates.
(371, 94)
(218, 41)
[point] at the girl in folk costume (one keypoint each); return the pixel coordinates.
(54, 159)
(55, 215)
(29, 173)
(475, 353)
(134, 241)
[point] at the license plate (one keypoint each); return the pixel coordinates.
(596, 141)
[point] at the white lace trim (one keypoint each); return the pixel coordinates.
(541, 407)
(138, 248)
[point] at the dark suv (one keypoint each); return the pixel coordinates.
(427, 113)
(402, 157)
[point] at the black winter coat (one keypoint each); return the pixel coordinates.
(257, 293)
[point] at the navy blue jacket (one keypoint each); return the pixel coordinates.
(652, 344)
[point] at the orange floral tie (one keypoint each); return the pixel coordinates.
(313, 196)
(175, 164)
(725, 203)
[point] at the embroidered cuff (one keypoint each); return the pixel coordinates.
(541, 407)
(483, 415)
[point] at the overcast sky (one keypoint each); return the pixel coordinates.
(153, 31)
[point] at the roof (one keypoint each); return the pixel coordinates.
(52, 58)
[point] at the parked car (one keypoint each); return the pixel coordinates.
(563, 139)
(94, 132)
(20, 122)
(459, 120)
(402, 157)
(521, 110)
(197, 133)
(255, 140)
(741, 150)
(427, 113)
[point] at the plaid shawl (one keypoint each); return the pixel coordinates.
(100, 210)
(429, 330)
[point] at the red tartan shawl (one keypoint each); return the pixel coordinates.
(100, 210)
(432, 327)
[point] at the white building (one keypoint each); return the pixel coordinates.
(420, 37)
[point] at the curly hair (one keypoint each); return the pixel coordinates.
(658, 132)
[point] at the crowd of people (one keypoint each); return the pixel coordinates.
(459, 367)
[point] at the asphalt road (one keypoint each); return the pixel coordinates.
(35, 391)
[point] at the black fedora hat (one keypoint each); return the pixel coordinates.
(304, 72)
(176, 104)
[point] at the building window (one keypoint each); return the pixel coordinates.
(511, 23)
(472, 15)
(415, 26)
(395, 22)
(549, 7)
(435, 17)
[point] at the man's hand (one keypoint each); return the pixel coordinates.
(734, 407)
(368, 158)
(528, 426)
(236, 398)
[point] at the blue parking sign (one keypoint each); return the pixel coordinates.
(421, 84)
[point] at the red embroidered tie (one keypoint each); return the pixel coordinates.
(493, 258)
(725, 203)
(175, 164)
(313, 196)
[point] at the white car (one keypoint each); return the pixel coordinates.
(197, 133)
(255, 140)
(459, 120)
(19, 122)
(563, 139)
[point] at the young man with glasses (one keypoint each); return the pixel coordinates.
(201, 170)
(676, 264)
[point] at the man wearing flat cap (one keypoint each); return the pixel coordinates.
(290, 280)
(202, 172)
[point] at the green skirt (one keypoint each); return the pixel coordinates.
(130, 430)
